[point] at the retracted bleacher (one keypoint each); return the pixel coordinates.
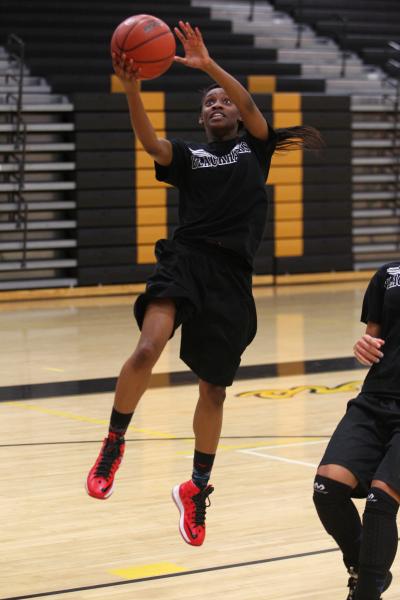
(118, 208)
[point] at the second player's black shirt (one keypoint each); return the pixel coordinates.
(382, 305)
(222, 195)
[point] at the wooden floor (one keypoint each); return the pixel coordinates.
(264, 540)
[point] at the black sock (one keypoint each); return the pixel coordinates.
(378, 545)
(119, 422)
(202, 465)
(339, 516)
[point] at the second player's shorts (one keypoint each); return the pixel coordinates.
(367, 442)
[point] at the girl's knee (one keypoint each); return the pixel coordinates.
(145, 355)
(338, 473)
(213, 394)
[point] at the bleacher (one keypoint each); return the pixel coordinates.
(94, 207)
(364, 26)
(37, 215)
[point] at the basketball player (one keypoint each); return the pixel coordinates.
(202, 279)
(363, 456)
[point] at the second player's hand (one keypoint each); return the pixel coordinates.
(367, 350)
(196, 53)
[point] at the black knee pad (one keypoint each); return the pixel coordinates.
(339, 516)
(379, 502)
(328, 491)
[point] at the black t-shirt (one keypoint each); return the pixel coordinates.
(382, 305)
(222, 195)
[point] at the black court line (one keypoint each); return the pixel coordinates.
(172, 575)
(169, 439)
(85, 387)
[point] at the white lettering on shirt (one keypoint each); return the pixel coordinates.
(394, 278)
(202, 159)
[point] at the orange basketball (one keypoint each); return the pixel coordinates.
(146, 40)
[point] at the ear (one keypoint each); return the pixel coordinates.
(201, 121)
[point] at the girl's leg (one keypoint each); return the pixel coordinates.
(207, 425)
(333, 486)
(191, 497)
(135, 374)
(133, 380)
(379, 541)
(207, 420)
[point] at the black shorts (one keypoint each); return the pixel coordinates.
(213, 294)
(367, 442)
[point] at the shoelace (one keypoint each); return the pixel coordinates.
(109, 455)
(352, 584)
(201, 504)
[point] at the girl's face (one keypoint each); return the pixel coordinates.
(219, 115)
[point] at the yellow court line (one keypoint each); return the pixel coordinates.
(83, 419)
(137, 572)
(252, 444)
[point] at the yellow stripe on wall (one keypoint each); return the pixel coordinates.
(261, 84)
(293, 247)
(286, 101)
(145, 254)
(151, 215)
(151, 222)
(149, 234)
(288, 159)
(288, 229)
(288, 211)
(151, 197)
(287, 119)
(287, 177)
(288, 193)
(144, 160)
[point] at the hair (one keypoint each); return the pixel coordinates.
(290, 138)
(301, 136)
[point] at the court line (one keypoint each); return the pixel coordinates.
(82, 418)
(173, 575)
(176, 439)
(245, 450)
(256, 452)
(82, 387)
(281, 459)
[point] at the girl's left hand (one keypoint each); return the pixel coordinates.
(196, 53)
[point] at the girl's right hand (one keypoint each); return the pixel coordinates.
(367, 350)
(196, 53)
(126, 71)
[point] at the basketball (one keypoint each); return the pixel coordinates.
(148, 41)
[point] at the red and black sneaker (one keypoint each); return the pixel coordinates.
(100, 481)
(192, 503)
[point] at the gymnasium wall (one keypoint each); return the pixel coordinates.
(122, 210)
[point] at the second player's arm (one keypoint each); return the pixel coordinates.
(367, 349)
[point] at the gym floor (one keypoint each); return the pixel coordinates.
(59, 361)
